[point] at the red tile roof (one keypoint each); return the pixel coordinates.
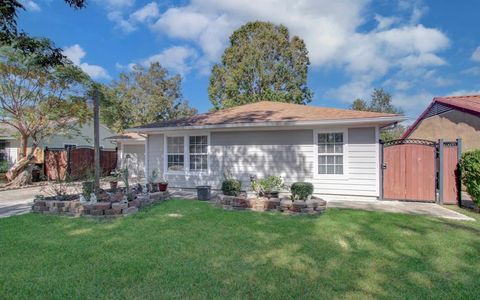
(267, 111)
(466, 103)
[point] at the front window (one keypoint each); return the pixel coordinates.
(330, 153)
(198, 153)
(175, 153)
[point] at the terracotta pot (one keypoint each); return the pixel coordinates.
(162, 187)
(113, 185)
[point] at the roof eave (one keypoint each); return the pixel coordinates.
(340, 122)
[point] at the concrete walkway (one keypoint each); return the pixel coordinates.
(16, 202)
(414, 208)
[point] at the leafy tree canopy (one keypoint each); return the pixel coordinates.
(142, 96)
(261, 63)
(381, 101)
(39, 101)
(10, 36)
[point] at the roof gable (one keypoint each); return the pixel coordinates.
(439, 105)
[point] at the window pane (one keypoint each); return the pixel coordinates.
(175, 162)
(330, 148)
(322, 169)
(338, 148)
(330, 137)
(322, 138)
(339, 169)
(322, 148)
(339, 137)
(330, 169)
(322, 159)
(330, 160)
(338, 160)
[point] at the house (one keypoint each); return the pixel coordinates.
(131, 152)
(337, 150)
(10, 142)
(449, 118)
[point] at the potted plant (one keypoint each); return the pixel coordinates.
(163, 184)
(113, 179)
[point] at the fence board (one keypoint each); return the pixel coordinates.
(450, 173)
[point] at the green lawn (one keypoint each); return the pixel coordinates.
(190, 249)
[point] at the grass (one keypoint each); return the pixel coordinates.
(189, 249)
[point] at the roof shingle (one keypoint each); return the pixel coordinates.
(267, 111)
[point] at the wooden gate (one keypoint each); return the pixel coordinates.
(409, 171)
(414, 170)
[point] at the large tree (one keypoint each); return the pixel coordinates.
(262, 63)
(11, 36)
(141, 96)
(39, 101)
(381, 101)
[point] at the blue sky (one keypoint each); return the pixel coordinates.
(412, 48)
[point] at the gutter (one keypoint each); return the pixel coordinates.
(388, 120)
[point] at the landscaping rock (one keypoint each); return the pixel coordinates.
(311, 203)
(102, 206)
(272, 203)
(239, 202)
(285, 204)
(298, 205)
(97, 212)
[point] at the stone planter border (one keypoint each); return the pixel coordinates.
(311, 207)
(112, 208)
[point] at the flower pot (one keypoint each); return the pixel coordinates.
(113, 185)
(203, 192)
(162, 186)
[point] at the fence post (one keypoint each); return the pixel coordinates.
(459, 172)
(381, 167)
(440, 171)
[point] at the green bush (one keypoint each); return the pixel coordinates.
(301, 190)
(231, 187)
(470, 169)
(269, 184)
(4, 166)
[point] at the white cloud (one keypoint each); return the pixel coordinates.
(476, 54)
(121, 23)
(177, 59)
(385, 22)
(75, 53)
(148, 12)
(464, 92)
(31, 5)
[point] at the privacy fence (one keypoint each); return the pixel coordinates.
(421, 170)
(77, 162)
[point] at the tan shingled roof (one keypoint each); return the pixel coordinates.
(126, 136)
(267, 111)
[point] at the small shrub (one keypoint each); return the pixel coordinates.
(470, 169)
(268, 184)
(231, 187)
(301, 190)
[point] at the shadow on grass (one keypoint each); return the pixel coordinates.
(185, 249)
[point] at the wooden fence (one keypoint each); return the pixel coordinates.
(77, 162)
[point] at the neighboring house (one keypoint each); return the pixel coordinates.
(449, 118)
(10, 143)
(337, 150)
(131, 152)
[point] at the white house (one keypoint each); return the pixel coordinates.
(10, 142)
(337, 150)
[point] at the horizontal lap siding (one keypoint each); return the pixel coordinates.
(288, 153)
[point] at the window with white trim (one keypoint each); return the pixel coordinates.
(198, 151)
(175, 153)
(330, 153)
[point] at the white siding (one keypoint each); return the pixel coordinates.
(133, 156)
(288, 153)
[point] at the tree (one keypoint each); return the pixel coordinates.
(38, 102)
(381, 101)
(143, 96)
(9, 35)
(360, 104)
(261, 63)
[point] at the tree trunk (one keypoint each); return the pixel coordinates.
(23, 145)
(22, 167)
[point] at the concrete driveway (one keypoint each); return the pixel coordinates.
(19, 201)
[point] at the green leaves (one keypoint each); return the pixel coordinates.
(262, 63)
(142, 96)
(470, 169)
